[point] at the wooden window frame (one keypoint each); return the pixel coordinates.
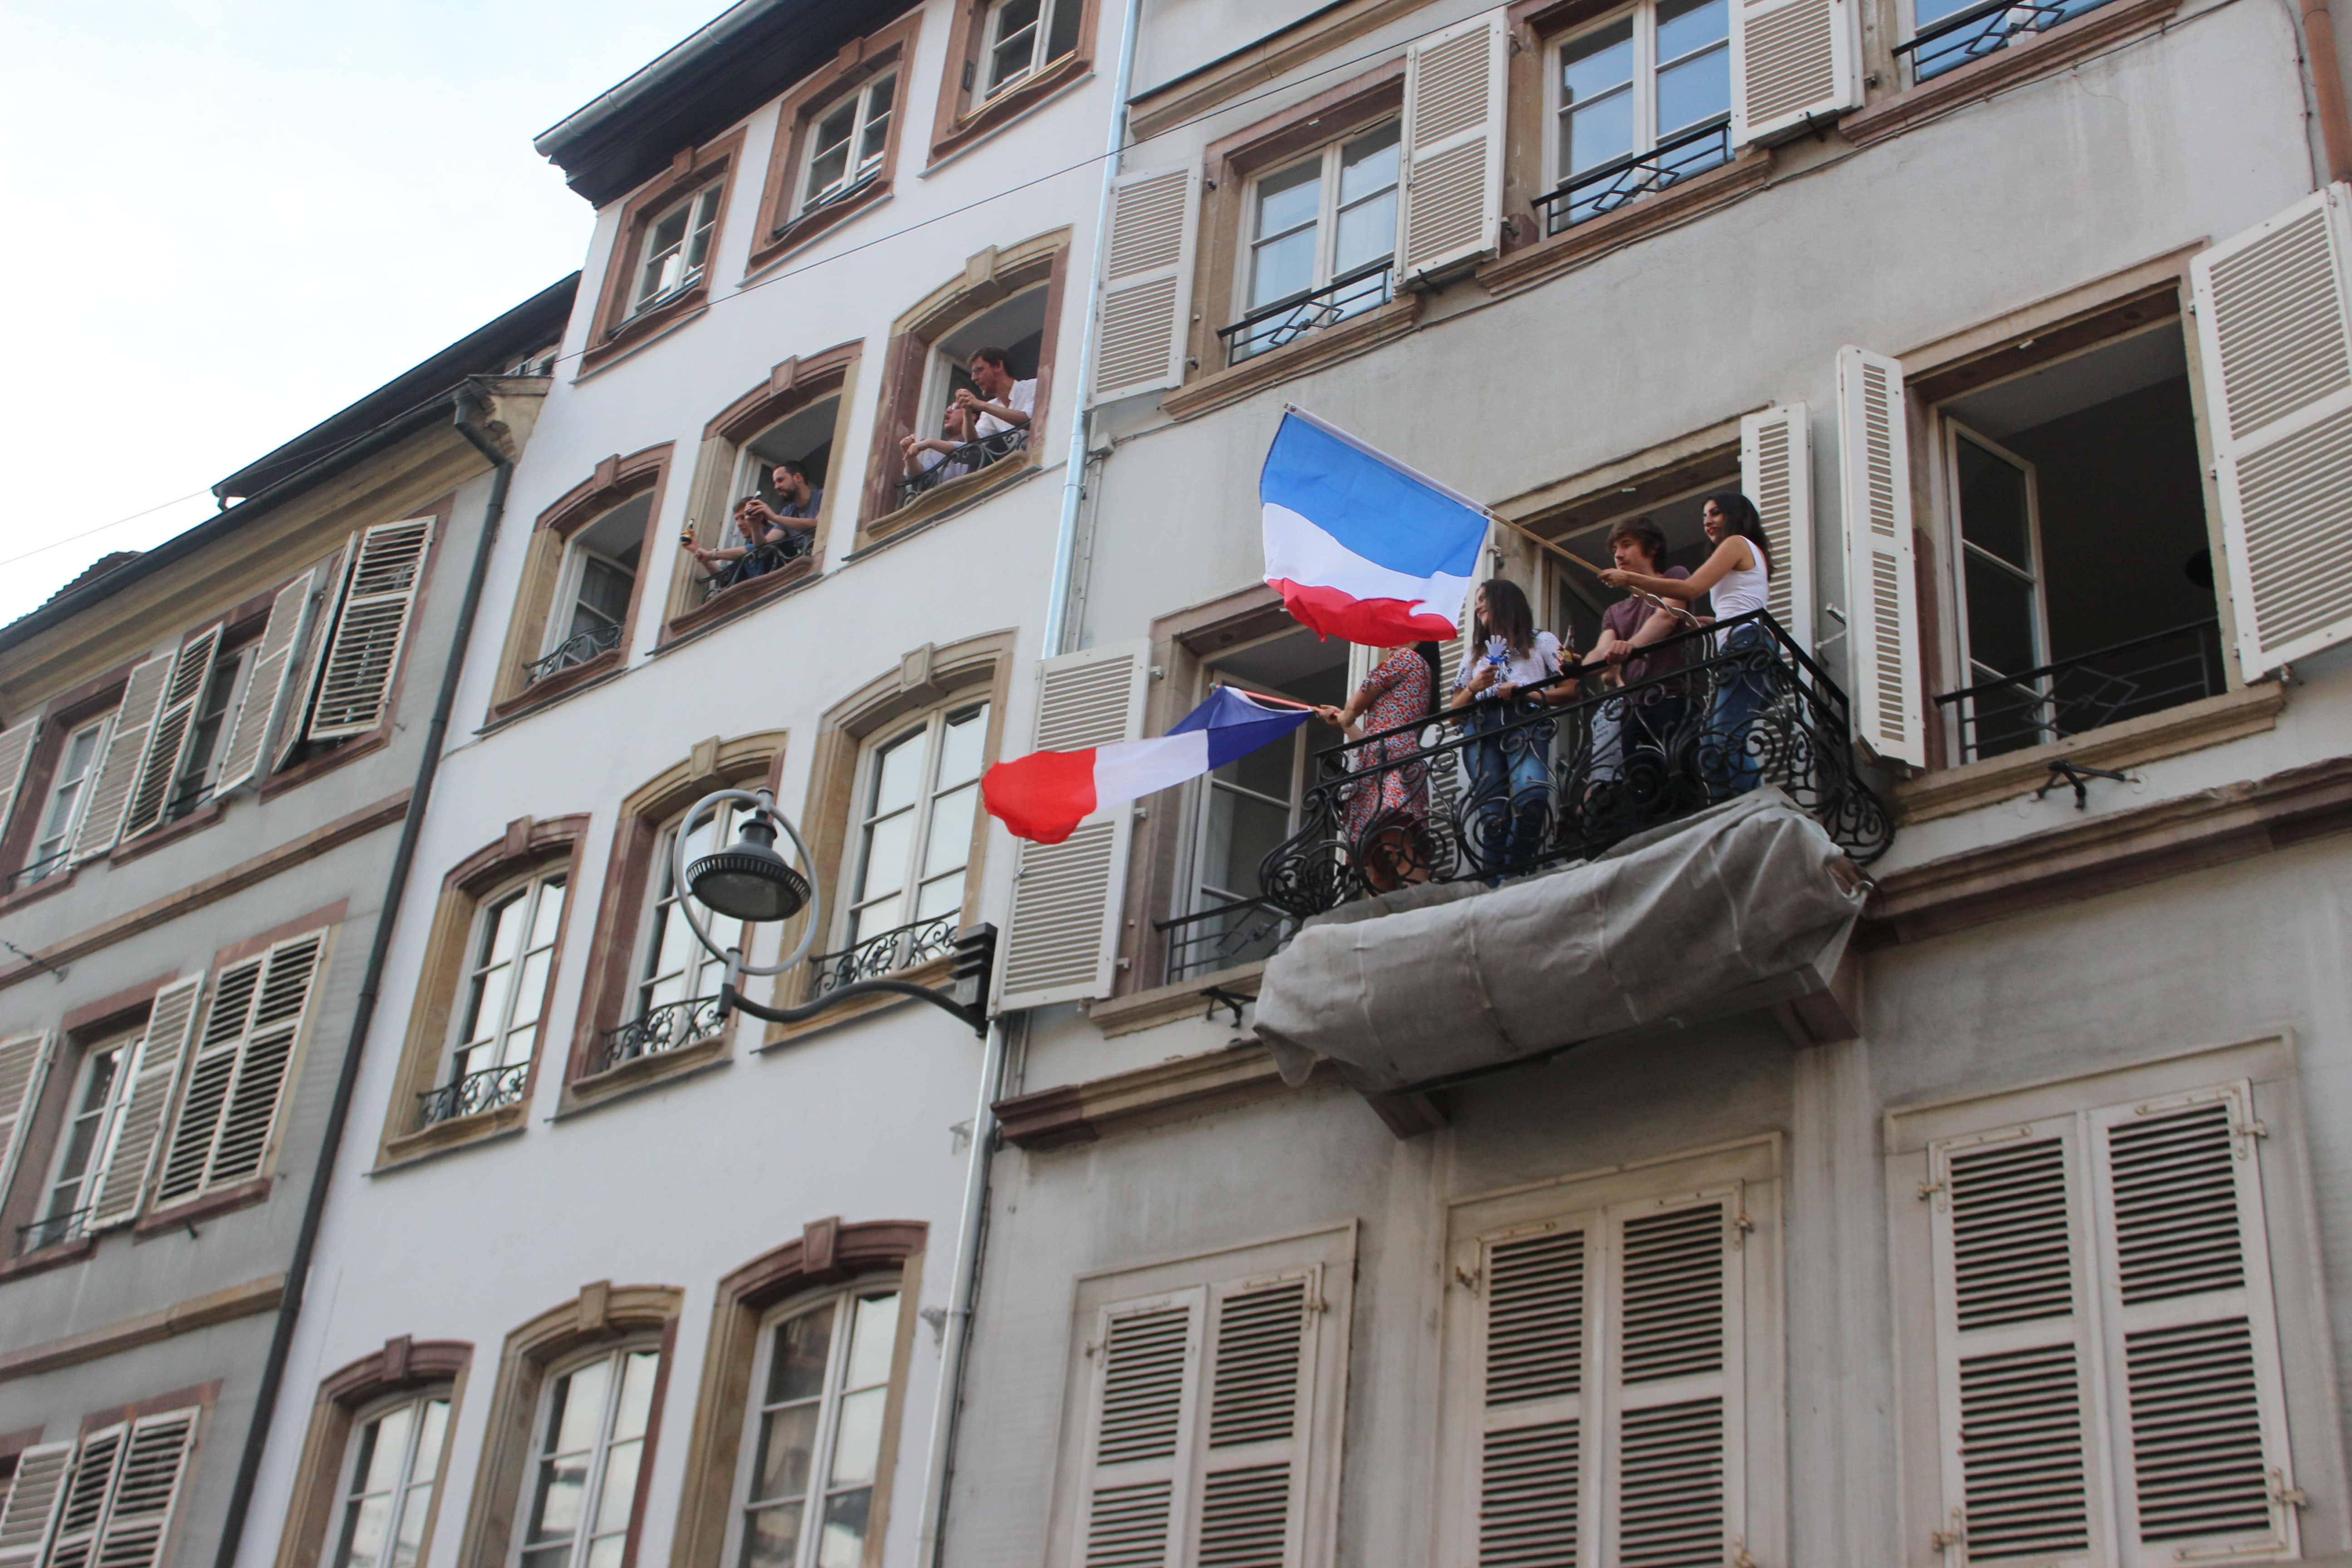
(402, 1366)
(68, 711)
(783, 227)
(528, 848)
(792, 385)
(617, 480)
(963, 117)
(615, 329)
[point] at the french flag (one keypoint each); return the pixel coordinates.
(1045, 795)
(1358, 544)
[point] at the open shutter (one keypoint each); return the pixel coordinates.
(1063, 939)
(2016, 1389)
(1253, 1463)
(371, 629)
(139, 1515)
(1776, 471)
(2201, 1417)
(1453, 136)
(35, 1501)
(1793, 61)
(126, 749)
(155, 1069)
(1147, 283)
(24, 1067)
(86, 1493)
(311, 658)
(167, 743)
(266, 686)
(237, 1080)
(2274, 333)
(1535, 1445)
(1881, 593)
(1140, 1435)
(15, 753)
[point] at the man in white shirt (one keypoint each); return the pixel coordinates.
(1002, 404)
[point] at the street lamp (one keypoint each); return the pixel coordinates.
(750, 881)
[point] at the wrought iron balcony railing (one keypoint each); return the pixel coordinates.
(1221, 937)
(2089, 691)
(41, 870)
(968, 458)
(884, 952)
(1294, 316)
(577, 649)
(55, 1231)
(1983, 29)
(660, 1029)
(474, 1091)
(1612, 185)
(1501, 789)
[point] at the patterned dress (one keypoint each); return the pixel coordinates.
(1402, 797)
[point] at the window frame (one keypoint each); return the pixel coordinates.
(1963, 552)
(348, 1499)
(967, 114)
(235, 660)
(858, 169)
(615, 1358)
(123, 1044)
(1330, 157)
(578, 555)
(662, 896)
(700, 210)
(1041, 30)
(932, 728)
(530, 890)
(623, 319)
(100, 728)
(1643, 86)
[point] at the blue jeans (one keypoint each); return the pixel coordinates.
(1729, 762)
(1510, 782)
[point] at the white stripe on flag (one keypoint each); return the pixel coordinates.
(1299, 552)
(1129, 770)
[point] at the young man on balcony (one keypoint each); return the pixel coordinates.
(1002, 404)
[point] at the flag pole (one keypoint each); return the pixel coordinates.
(1269, 696)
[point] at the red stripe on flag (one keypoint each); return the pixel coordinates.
(1041, 796)
(1375, 623)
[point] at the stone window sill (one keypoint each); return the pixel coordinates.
(598, 1089)
(458, 1133)
(646, 326)
(1319, 349)
(1164, 1003)
(2018, 62)
(204, 1206)
(741, 598)
(57, 1257)
(1164, 1091)
(1543, 259)
(951, 495)
(988, 119)
(812, 225)
(555, 687)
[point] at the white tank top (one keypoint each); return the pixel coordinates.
(1741, 589)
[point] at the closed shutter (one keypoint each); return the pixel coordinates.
(1063, 939)
(1453, 136)
(371, 629)
(310, 660)
(167, 743)
(1534, 1443)
(139, 1514)
(2274, 334)
(266, 686)
(126, 749)
(24, 1067)
(2192, 1339)
(2016, 1389)
(86, 1493)
(35, 1501)
(1139, 1437)
(15, 753)
(237, 1078)
(1254, 1464)
(153, 1067)
(1776, 471)
(1147, 283)
(1881, 595)
(1793, 61)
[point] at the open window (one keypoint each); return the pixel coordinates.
(599, 578)
(674, 249)
(1578, 602)
(582, 579)
(1635, 103)
(1022, 37)
(800, 443)
(59, 813)
(95, 1097)
(1017, 327)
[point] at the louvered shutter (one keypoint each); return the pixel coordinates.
(1672, 1474)
(1453, 137)
(24, 1067)
(266, 686)
(1793, 61)
(35, 1501)
(1253, 1456)
(2015, 1382)
(2193, 1343)
(1063, 939)
(1147, 283)
(139, 1514)
(1776, 471)
(15, 753)
(310, 661)
(1881, 595)
(153, 1068)
(2274, 334)
(371, 629)
(126, 749)
(167, 743)
(237, 1081)
(86, 1493)
(1534, 1444)
(1139, 1438)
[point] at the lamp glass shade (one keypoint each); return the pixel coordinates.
(748, 880)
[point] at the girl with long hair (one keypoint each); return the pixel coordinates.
(1386, 814)
(1510, 768)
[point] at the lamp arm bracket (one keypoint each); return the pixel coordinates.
(732, 1000)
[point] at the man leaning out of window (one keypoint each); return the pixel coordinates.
(1003, 406)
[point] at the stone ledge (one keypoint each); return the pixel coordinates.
(1171, 1090)
(592, 1090)
(1318, 350)
(2008, 67)
(220, 1306)
(1145, 1009)
(1636, 220)
(456, 1133)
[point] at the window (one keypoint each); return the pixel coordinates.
(200, 763)
(61, 814)
(108, 1499)
(1023, 36)
(237, 1073)
(1640, 103)
(914, 835)
(677, 246)
(582, 1489)
(1948, 33)
(99, 1092)
(497, 1036)
(1321, 238)
(675, 967)
(813, 1449)
(387, 1490)
(847, 145)
(1017, 327)
(596, 583)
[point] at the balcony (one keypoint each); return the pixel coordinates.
(884, 954)
(54, 1231)
(968, 458)
(2074, 696)
(1976, 31)
(659, 1030)
(1293, 316)
(1209, 940)
(472, 1092)
(577, 649)
(1598, 192)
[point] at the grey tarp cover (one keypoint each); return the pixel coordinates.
(1742, 905)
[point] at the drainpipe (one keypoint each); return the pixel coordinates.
(2328, 87)
(289, 1306)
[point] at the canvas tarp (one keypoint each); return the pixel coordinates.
(1740, 906)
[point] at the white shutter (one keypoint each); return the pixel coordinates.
(266, 687)
(167, 743)
(139, 1514)
(2200, 1414)
(1147, 283)
(333, 583)
(24, 1067)
(1253, 1456)
(153, 1069)
(15, 755)
(1791, 62)
(371, 629)
(1534, 1452)
(1453, 136)
(1139, 1437)
(35, 1501)
(2016, 1388)
(1776, 471)
(1062, 936)
(74, 1543)
(114, 772)
(2274, 333)
(237, 1081)
(1881, 594)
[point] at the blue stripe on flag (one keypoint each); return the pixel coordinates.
(1236, 725)
(1380, 512)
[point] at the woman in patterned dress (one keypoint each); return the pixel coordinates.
(1386, 816)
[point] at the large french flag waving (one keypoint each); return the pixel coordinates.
(1359, 545)
(1045, 795)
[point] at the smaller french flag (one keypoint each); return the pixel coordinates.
(1044, 796)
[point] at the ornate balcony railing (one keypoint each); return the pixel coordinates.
(577, 649)
(475, 1091)
(1294, 316)
(1612, 185)
(1499, 790)
(660, 1029)
(884, 952)
(1221, 937)
(55, 1231)
(1983, 29)
(968, 458)
(2089, 691)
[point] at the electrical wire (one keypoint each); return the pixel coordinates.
(101, 528)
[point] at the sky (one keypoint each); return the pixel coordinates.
(229, 219)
